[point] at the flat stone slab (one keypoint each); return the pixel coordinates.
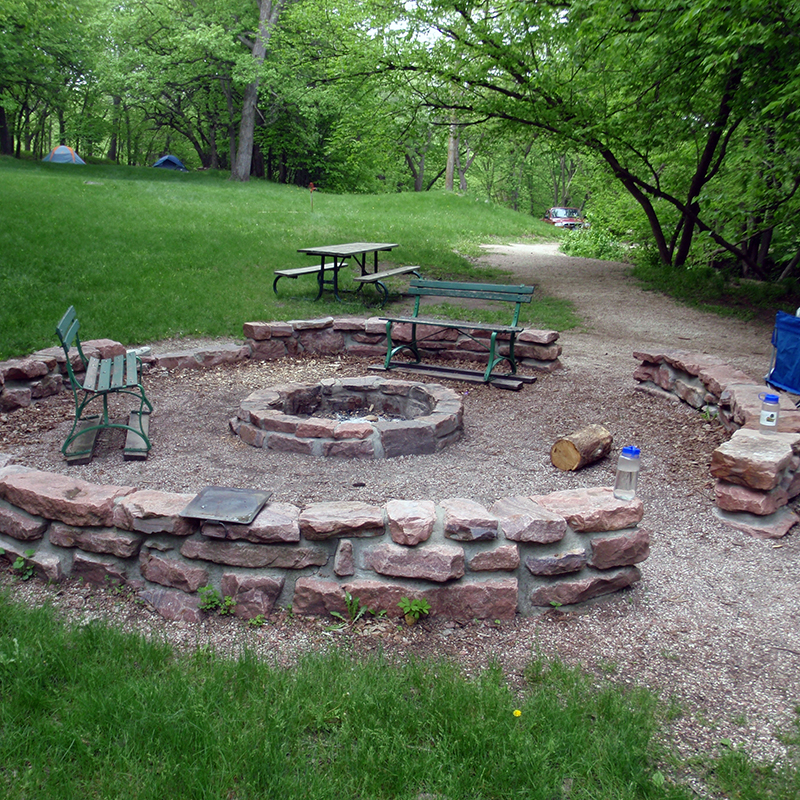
(577, 590)
(752, 459)
(522, 520)
(593, 510)
(276, 522)
(150, 511)
(437, 563)
(345, 518)
(60, 497)
(773, 526)
(96, 540)
(620, 549)
(19, 524)
(468, 521)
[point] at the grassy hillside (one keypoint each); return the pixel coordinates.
(145, 254)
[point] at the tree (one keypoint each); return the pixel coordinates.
(669, 95)
(269, 11)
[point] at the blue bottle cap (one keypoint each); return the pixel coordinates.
(771, 398)
(631, 452)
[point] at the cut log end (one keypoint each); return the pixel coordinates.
(581, 447)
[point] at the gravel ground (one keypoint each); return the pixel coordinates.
(713, 625)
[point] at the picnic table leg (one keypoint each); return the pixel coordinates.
(321, 278)
(336, 264)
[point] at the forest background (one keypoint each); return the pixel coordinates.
(672, 125)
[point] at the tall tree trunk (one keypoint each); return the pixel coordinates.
(6, 139)
(113, 145)
(706, 167)
(452, 155)
(269, 11)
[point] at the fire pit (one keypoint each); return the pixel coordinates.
(352, 418)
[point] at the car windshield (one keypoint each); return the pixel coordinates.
(565, 212)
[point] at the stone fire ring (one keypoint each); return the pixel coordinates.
(298, 418)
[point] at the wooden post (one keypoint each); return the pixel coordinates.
(581, 447)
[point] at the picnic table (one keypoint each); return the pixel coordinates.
(338, 255)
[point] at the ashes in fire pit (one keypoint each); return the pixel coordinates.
(368, 417)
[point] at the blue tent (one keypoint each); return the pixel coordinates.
(170, 162)
(63, 155)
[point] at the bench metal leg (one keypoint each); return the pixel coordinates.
(392, 351)
(80, 442)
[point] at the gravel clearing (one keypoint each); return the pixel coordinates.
(713, 625)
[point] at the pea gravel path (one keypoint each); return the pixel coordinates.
(713, 625)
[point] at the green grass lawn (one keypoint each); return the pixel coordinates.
(90, 711)
(145, 254)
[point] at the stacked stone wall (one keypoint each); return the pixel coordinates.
(756, 474)
(25, 380)
(522, 555)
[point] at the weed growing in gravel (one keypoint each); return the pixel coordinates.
(212, 600)
(414, 609)
(22, 567)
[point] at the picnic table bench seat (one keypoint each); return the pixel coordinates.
(419, 288)
(103, 377)
(377, 278)
(296, 272)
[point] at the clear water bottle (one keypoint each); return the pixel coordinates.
(770, 405)
(627, 474)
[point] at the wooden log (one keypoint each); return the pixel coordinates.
(581, 447)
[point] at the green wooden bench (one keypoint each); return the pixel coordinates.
(420, 288)
(102, 378)
(377, 278)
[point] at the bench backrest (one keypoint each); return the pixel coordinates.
(67, 332)
(419, 287)
(481, 291)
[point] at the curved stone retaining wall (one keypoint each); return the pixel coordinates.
(756, 474)
(521, 555)
(24, 380)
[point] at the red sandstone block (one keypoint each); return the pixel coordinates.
(60, 497)
(258, 331)
(568, 591)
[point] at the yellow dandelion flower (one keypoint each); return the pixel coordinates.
(517, 712)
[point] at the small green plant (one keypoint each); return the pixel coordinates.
(212, 600)
(258, 621)
(709, 413)
(24, 569)
(414, 609)
(355, 611)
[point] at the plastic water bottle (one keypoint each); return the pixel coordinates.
(768, 422)
(627, 474)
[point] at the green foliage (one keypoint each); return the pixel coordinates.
(594, 243)
(212, 600)
(23, 568)
(689, 107)
(355, 611)
(125, 244)
(414, 608)
(713, 290)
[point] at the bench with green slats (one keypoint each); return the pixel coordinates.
(103, 378)
(488, 292)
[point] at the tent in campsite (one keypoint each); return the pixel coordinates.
(63, 155)
(170, 162)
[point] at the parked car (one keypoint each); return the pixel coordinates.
(563, 217)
